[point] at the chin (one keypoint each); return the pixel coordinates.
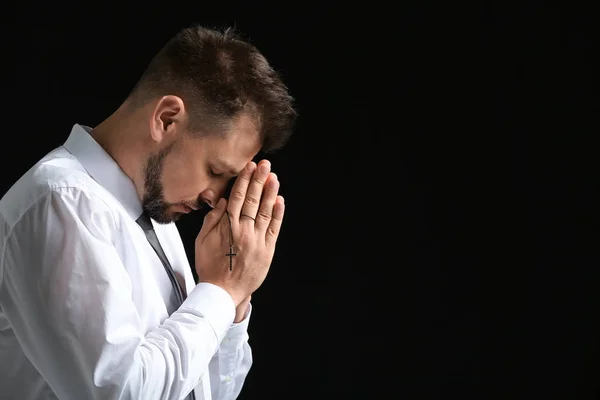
(166, 217)
(174, 217)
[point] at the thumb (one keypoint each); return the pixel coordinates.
(221, 205)
(214, 216)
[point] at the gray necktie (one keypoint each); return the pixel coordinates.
(146, 224)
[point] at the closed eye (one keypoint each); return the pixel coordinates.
(214, 174)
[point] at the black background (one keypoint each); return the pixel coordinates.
(440, 185)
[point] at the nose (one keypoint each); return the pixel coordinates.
(209, 197)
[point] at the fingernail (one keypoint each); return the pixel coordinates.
(264, 167)
(251, 166)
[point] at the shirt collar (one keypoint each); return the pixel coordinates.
(103, 168)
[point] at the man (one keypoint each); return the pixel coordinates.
(97, 299)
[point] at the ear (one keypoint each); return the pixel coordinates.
(168, 118)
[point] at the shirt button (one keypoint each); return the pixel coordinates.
(226, 340)
(227, 378)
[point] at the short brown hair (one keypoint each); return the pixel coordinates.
(218, 75)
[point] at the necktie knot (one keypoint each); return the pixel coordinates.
(145, 222)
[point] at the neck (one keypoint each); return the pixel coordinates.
(119, 136)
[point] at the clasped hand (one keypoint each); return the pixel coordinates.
(250, 221)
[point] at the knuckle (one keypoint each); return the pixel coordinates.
(272, 190)
(264, 216)
(259, 179)
(251, 200)
(272, 231)
(236, 195)
(278, 216)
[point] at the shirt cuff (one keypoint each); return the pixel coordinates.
(239, 330)
(214, 304)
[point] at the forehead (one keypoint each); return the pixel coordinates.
(234, 148)
(243, 132)
(242, 137)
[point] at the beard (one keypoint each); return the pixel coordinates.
(153, 201)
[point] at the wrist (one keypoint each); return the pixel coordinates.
(241, 311)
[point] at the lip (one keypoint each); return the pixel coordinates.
(186, 209)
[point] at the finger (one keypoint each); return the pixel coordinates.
(213, 218)
(255, 189)
(239, 190)
(269, 196)
(276, 221)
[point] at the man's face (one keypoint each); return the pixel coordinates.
(192, 171)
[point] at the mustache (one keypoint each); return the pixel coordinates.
(198, 205)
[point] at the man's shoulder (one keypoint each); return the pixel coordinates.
(59, 173)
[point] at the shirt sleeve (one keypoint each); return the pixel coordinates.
(230, 366)
(68, 298)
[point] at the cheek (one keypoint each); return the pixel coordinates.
(183, 181)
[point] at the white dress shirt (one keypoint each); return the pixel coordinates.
(87, 310)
